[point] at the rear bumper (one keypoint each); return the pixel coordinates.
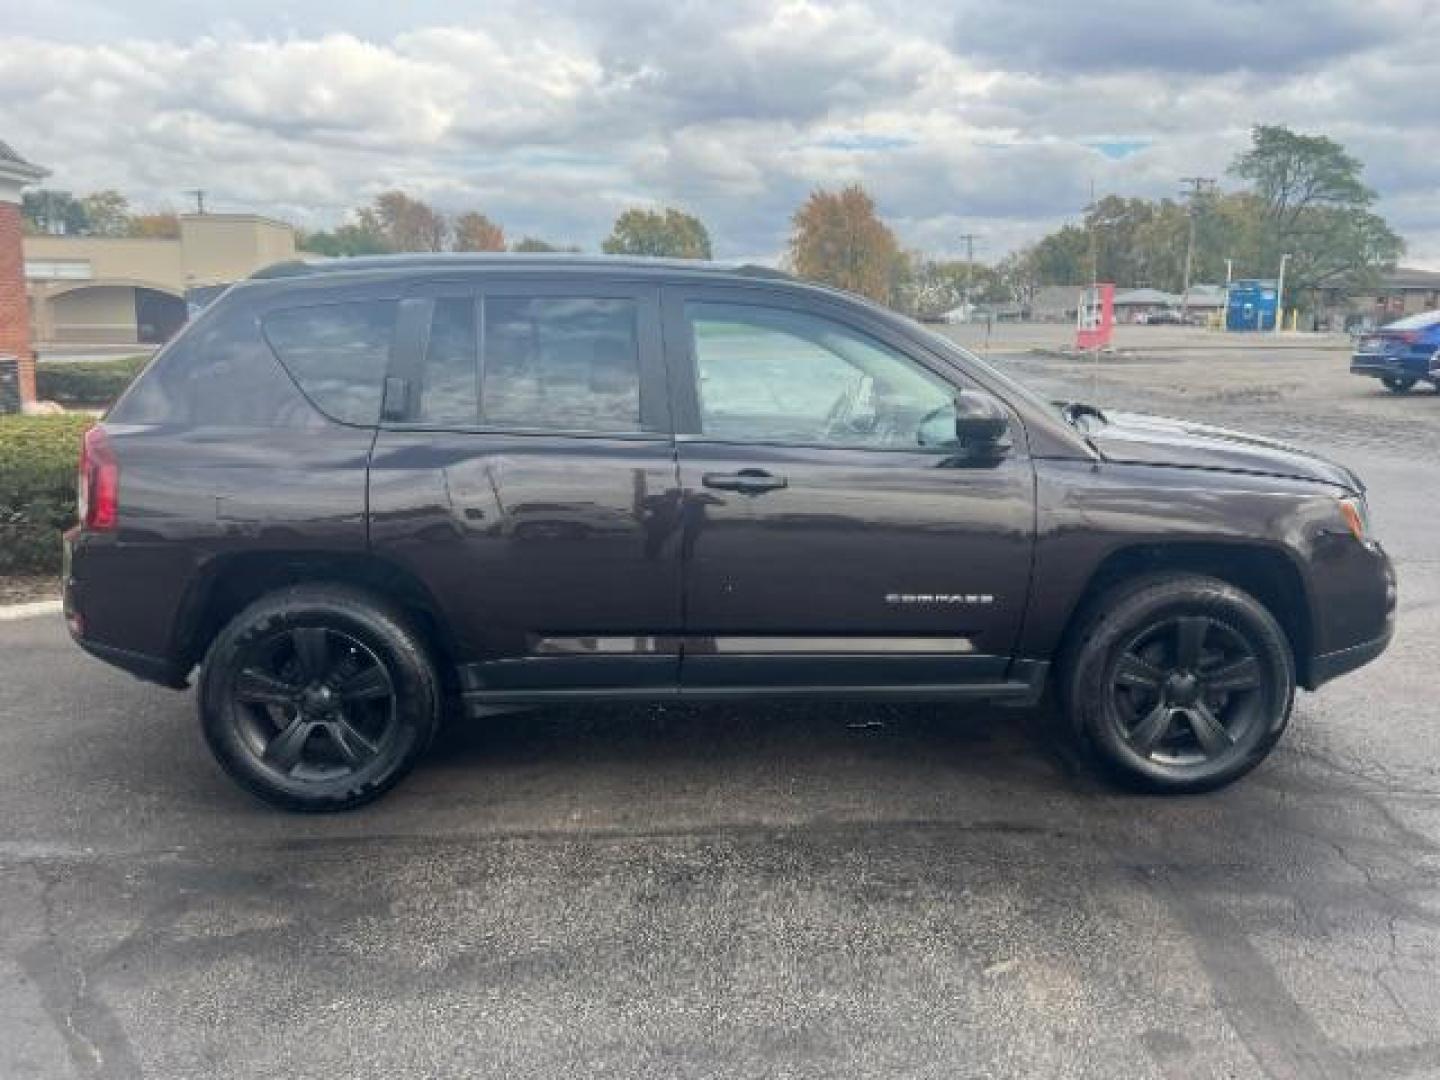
(78, 619)
(1390, 367)
(155, 669)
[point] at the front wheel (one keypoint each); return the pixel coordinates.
(1180, 683)
(318, 697)
(1398, 384)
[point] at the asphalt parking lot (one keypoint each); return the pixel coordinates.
(743, 891)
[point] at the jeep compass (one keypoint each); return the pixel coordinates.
(357, 495)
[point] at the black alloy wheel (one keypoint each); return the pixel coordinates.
(318, 697)
(1398, 384)
(1178, 682)
(1186, 690)
(314, 703)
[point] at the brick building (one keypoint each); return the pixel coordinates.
(15, 173)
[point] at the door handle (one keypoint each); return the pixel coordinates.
(749, 481)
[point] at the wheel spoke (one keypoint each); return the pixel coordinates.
(1137, 673)
(312, 652)
(1239, 675)
(1151, 729)
(354, 747)
(1210, 733)
(259, 688)
(1190, 641)
(368, 685)
(284, 750)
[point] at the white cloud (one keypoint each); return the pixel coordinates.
(551, 116)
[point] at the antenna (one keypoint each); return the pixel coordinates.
(199, 194)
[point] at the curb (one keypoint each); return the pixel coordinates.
(34, 609)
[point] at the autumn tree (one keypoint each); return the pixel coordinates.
(160, 225)
(671, 233)
(405, 223)
(476, 232)
(840, 240)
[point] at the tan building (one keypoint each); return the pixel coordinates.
(95, 290)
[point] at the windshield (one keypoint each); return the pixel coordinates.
(1423, 321)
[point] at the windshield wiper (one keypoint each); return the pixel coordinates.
(1074, 411)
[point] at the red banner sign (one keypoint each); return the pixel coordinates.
(1095, 317)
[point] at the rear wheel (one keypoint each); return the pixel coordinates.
(318, 698)
(1397, 384)
(1180, 683)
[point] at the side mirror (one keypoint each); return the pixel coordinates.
(981, 423)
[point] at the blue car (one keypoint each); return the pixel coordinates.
(1402, 353)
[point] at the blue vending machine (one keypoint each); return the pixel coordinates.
(1250, 305)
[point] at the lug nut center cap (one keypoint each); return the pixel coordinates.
(1182, 688)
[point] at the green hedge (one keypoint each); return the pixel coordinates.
(38, 457)
(87, 384)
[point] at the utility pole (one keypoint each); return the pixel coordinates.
(199, 194)
(1280, 293)
(968, 239)
(1200, 186)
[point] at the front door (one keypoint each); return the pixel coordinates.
(831, 535)
(525, 475)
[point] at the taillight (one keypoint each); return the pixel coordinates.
(99, 487)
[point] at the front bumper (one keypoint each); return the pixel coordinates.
(1343, 661)
(1326, 666)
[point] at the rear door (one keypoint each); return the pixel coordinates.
(831, 534)
(524, 473)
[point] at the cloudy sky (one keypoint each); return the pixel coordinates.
(985, 116)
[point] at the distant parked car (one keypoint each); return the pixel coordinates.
(1163, 316)
(1402, 353)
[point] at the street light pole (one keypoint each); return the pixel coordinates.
(1280, 293)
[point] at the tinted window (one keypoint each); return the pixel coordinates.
(337, 353)
(770, 375)
(450, 377)
(217, 373)
(564, 363)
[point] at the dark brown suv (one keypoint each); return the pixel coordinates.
(357, 491)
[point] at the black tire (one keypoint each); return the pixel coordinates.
(318, 698)
(1398, 384)
(1158, 663)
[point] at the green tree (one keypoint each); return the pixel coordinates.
(536, 245)
(1061, 258)
(1313, 204)
(839, 239)
(46, 210)
(348, 239)
(671, 233)
(107, 213)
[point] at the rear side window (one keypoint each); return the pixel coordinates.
(337, 353)
(450, 374)
(563, 363)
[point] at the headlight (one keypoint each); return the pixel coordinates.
(1356, 513)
